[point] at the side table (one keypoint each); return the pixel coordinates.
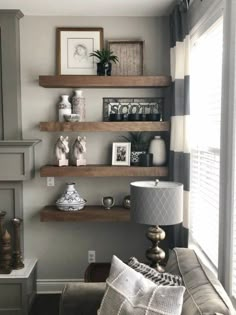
(18, 289)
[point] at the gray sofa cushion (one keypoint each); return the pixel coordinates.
(204, 294)
(81, 298)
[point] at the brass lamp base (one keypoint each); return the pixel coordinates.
(155, 254)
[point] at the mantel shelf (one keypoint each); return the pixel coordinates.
(89, 213)
(17, 159)
(102, 171)
(104, 126)
(93, 81)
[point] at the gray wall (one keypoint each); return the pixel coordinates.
(62, 247)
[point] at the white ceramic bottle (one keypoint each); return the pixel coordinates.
(78, 104)
(64, 107)
(158, 148)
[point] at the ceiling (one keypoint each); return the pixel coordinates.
(90, 7)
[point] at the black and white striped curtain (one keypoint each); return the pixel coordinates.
(179, 141)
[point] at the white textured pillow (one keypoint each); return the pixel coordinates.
(130, 293)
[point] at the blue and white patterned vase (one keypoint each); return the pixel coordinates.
(70, 200)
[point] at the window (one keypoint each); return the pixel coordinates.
(234, 244)
(205, 102)
(233, 254)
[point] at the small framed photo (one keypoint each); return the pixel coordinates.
(74, 46)
(121, 153)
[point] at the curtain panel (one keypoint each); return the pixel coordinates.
(179, 161)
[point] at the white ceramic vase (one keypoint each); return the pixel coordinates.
(70, 200)
(64, 107)
(158, 149)
(78, 104)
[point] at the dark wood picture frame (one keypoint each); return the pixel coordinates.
(82, 41)
(130, 55)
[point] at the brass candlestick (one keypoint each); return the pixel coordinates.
(17, 260)
(2, 215)
(6, 258)
(5, 247)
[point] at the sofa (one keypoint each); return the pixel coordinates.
(204, 294)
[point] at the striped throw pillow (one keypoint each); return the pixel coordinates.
(158, 278)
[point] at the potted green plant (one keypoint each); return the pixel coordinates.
(105, 57)
(139, 145)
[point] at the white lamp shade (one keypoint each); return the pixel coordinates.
(160, 204)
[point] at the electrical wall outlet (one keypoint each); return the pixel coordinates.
(50, 181)
(91, 256)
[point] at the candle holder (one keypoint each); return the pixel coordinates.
(6, 257)
(2, 215)
(4, 246)
(17, 260)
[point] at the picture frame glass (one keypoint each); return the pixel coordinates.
(73, 50)
(121, 153)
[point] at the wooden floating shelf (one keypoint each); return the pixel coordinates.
(89, 213)
(102, 171)
(94, 81)
(105, 126)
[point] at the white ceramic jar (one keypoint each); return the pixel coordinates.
(64, 107)
(158, 148)
(78, 104)
(70, 200)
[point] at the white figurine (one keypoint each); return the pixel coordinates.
(61, 150)
(78, 151)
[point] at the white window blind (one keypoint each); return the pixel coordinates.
(234, 243)
(234, 231)
(205, 100)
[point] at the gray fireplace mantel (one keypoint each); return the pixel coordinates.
(17, 159)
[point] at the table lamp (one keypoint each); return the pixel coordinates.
(156, 203)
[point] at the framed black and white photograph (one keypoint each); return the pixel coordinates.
(74, 46)
(121, 153)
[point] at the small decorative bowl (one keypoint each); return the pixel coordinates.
(72, 117)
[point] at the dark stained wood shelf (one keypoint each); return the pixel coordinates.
(89, 213)
(102, 171)
(105, 126)
(94, 81)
